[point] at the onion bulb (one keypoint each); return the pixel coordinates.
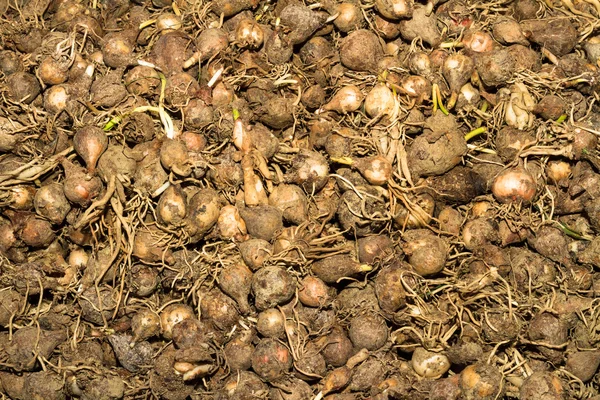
(468, 95)
(416, 86)
(592, 49)
(419, 63)
(7, 237)
(270, 323)
(394, 9)
(231, 225)
(221, 95)
(377, 170)
(482, 380)
(380, 102)
(437, 58)
(145, 324)
(171, 209)
(56, 98)
(195, 142)
(457, 70)
(50, 202)
(240, 136)
(480, 208)
(349, 17)
(254, 191)
(313, 292)
(168, 21)
(21, 197)
(89, 143)
(53, 71)
(249, 34)
(171, 316)
(478, 41)
(347, 99)
(429, 364)
(310, 170)
(514, 185)
(558, 170)
(78, 258)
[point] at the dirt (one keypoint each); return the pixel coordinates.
(247, 199)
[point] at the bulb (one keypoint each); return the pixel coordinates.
(347, 99)
(478, 41)
(419, 64)
(52, 71)
(514, 185)
(56, 99)
(349, 17)
(380, 101)
(78, 258)
(457, 70)
(89, 143)
(22, 197)
(416, 86)
(558, 170)
(469, 93)
(518, 110)
(394, 9)
(145, 324)
(167, 22)
(429, 364)
(171, 316)
(249, 34)
(230, 224)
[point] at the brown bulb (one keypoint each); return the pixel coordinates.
(478, 41)
(56, 98)
(394, 9)
(193, 141)
(89, 143)
(350, 17)
(51, 203)
(347, 99)
(172, 315)
(271, 323)
(558, 171)
(171, 209)
(416, 86)
(419, 63)
(22, 197)
(168, 22)
(7, 237)
(221, 95)
(249, 34)
(144, 280)
(231, 225)
(313, 292)
(174, 155)
(52, 71)
(37, 233)
(380, 102)
(235, 280)
(79, 187)
(457, 70)
(514, 185)
(145, 324)
(78, 258)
